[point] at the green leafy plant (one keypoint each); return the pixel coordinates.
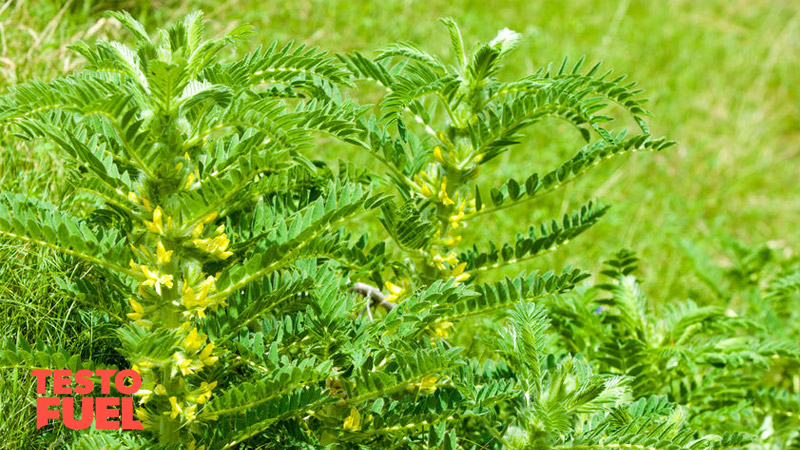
(169, 164)
(718, 360)
(460, 117)
(235, 278)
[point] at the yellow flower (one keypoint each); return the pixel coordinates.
(217, 246)
(155, 279)
(439, 260)
(454, 220)
(188, 183)
(189, 299)
(198, 230)
(146, 364)
(426, 191)
(202, 244)
(145, 394)
(163, 255)
(207, 286)
(160, 390)
(199, 300)
(353, 421)
(447, 201)
(458, 273)
(210, 217)
(156, 226)
(176, 408)
(206, 356)
(138, 310)
(453, 241)
(194, 341)
(191, 413)
(205, 392)
(395, 291)
(221, 243)
(186, 365)
(437, 154)
(393, 288)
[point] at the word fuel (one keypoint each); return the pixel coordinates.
(99, 409)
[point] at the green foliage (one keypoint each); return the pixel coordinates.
(236, 272)
(722, 361)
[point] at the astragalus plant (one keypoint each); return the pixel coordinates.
(229, 260)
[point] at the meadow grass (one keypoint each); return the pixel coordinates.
(721, 76)
(31, 308)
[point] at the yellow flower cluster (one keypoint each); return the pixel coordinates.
(438, 155)
(193, 342)
(451, 259)
(216, 245)
(196, 298)
(353, 421)
(186, 366)
(162, 254)
(152, 278)
(433, 189)
(188, 412)
(395, 292)
(455, 219)
(458, 273)
(139, 200)
(156, 226)
(188, 409)
(450, 241)
(439, 194)
(203, 394)
(443, 197)
(164, 270)
(451, 262)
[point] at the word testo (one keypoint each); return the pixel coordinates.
(103, 410)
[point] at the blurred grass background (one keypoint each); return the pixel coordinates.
(722, 76)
